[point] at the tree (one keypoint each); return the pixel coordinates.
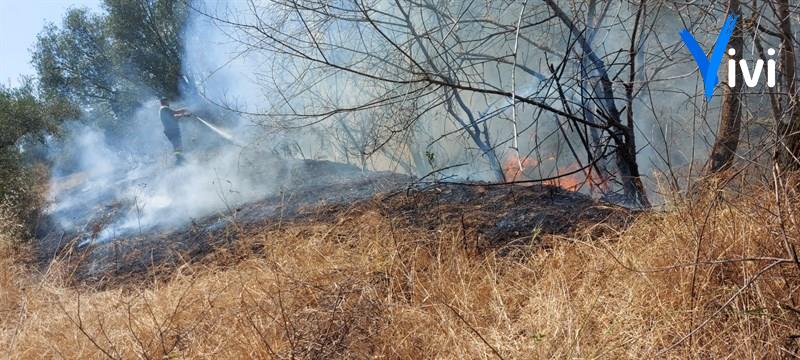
(475, 65)
(723, 151)
(622, 134)
(110, 64)
(25, 119)
(75, 62)
(147, 43)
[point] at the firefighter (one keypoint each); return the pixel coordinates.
(169, 118)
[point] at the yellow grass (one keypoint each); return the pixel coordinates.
(365, 288)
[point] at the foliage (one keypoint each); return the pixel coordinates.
(73, 62)
(103, 65)
(147, 43)
(23, 114)
(111, 63)
(25, 119)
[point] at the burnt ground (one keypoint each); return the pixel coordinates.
(491, 217)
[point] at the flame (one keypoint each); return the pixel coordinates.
(572, 182)
(596, 180)
(511, 167)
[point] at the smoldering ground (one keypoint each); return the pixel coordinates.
(136, 177)
(110, 183)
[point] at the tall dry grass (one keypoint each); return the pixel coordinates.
(689, 282)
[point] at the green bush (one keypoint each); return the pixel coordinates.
(25, 120)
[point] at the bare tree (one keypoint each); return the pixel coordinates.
(568, 96)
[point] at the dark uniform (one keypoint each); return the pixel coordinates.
(172, 131)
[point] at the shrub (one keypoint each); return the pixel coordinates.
(25, 120)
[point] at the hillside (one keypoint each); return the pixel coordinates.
(422, 271)
(320, 193)
(495, 179)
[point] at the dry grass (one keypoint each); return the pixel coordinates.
(365, 288)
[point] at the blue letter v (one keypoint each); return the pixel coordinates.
(709, 67)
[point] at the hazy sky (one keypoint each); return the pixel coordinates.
(20, 21)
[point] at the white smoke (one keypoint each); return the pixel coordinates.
(140, 187)
(107, 185)
(137, 169)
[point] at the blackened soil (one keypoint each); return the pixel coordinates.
(489, 217)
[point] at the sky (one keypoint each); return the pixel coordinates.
(20, 22)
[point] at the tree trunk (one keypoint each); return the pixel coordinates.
(788, 147)
(723, 151)
(623, 136)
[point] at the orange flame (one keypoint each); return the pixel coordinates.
(597, 180)
(511, 167)
(572, 182)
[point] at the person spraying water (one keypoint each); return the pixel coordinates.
(170, 118)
